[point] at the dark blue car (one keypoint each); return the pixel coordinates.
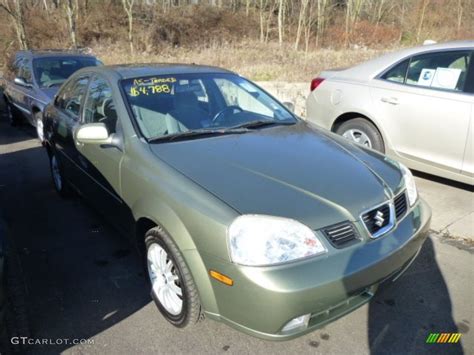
(34, 78)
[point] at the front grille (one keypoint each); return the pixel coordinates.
(377, 218)
(341, 235)
(400, 205)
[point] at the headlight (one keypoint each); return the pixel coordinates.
(410, 184)
(258, 240)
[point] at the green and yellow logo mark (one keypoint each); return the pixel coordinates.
(443, 338)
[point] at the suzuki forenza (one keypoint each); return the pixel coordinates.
(244, 213)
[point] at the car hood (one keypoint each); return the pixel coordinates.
(292, 171)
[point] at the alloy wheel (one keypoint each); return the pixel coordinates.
(39, 129)
(165, 280)
(358, 136)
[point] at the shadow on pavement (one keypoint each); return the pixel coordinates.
(404, 313)
(81, 276)
(441, 180)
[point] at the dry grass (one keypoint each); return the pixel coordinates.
(254, 60)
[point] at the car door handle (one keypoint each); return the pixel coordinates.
(390, 100)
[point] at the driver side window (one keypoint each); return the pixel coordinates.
(99, 106)
(70, 98)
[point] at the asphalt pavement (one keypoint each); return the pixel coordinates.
(76, 278)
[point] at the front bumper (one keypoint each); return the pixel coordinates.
(264, 299)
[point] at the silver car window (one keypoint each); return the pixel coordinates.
(441, 70)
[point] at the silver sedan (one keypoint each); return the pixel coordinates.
(415, 105)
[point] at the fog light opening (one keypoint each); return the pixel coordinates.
(298, 323)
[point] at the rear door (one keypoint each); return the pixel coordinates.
(16, 92)
(425, 111)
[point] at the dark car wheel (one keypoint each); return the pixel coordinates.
(60, 184)
(13, 115)
(361, 131)
(172, 286)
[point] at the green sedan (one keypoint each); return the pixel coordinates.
(243, 212)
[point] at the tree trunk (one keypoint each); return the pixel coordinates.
(281, 5)
(71, 12)
(460, 11)
(15, 10)
(301, 18)
(424, 5)
(128, 7)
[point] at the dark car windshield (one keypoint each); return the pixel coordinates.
(54, 71)
(173, 104)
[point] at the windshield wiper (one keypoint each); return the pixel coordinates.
(263, 123)
(196, 134)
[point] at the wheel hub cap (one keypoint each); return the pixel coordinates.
(358, 136)
(164, 279)
(39, 129)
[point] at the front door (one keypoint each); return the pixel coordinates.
(101, 180)
(67, 105)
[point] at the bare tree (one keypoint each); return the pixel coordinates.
(353, 9)
(460, 9)
(281, 10)
(128, 7)
(424, 5)
(265, 14)
(15, 10)
(301, 19)
(72, 13)
(321, 19)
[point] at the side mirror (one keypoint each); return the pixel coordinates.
(93, 133)
(21, 82)
(290, 106)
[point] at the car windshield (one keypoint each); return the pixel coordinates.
(54, 71)
(170, 105)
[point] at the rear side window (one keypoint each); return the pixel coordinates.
(444, 70)
(441, 70)
(397, 73)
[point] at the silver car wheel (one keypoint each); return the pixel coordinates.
(39, 129)
(358, 136)
(164, 279)
(56, 173)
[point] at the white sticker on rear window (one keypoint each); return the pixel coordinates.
(426, 77)
(446, 78)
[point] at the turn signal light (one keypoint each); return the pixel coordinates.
(221, 277)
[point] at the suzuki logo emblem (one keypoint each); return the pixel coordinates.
(379, 219)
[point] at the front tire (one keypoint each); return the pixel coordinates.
(360, 130)
(60, 184)
(172, 286)
(38, 117)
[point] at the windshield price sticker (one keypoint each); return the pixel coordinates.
(150, 90)
(151, 86)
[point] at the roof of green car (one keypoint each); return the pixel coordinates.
(127, 71)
